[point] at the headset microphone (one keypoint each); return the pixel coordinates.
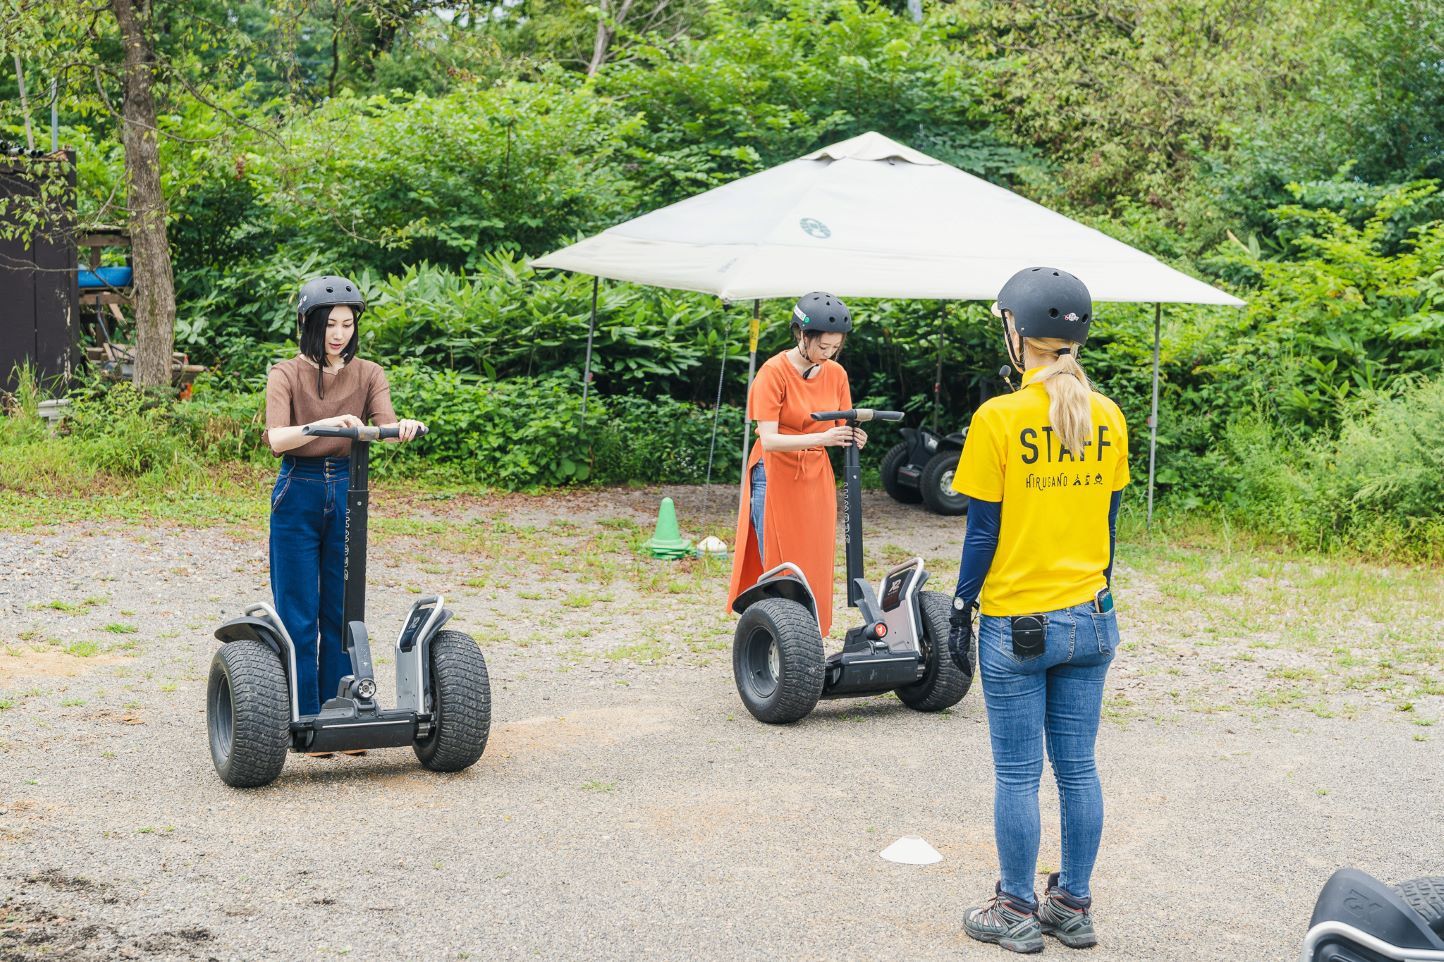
(1005, 372)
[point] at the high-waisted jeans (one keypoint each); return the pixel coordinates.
(1054, 698)
(308, 552)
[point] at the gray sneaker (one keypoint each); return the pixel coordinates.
(1067, 919)
(1007, 922)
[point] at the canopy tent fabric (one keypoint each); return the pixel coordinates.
(868, 217)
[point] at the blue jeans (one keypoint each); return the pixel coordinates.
(757, 501)
(308, 552)
(1055, 698)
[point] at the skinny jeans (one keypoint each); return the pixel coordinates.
(308, 554)
(1052, 699)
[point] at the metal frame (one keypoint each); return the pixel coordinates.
(265, 612)
(1373, 943)
(904, 623)
(411, 674)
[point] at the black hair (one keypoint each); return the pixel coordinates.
(313, 341)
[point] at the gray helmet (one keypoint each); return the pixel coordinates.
(1046, 302)
(821, 312)
(328, 291)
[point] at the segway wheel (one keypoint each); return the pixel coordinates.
(248, 713)
(896, 457)
(1426, 896)
(936, 485)
(943, 683)
(777, 661)
(461, 704)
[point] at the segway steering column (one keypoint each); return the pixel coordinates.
(852, 496)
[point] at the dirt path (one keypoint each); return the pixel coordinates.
(627, 807)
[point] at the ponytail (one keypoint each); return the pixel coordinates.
(1070, 396)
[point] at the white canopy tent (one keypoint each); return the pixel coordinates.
(869, 217)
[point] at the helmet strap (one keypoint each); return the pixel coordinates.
(1014, 342)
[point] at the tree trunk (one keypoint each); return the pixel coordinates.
(607, 28)
(150, 249)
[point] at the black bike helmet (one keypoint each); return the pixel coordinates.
(328, 291)
(1046, 302)
(822, 313)
(318, 295)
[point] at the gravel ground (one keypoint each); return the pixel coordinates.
(627, 807)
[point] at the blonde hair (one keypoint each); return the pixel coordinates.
(1070, 396)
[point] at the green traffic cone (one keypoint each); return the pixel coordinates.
(667, 541)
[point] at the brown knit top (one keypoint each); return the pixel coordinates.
(359, 388)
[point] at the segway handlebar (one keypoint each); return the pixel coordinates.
(857, 414)
(364, 433)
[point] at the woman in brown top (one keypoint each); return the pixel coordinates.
(326, 384)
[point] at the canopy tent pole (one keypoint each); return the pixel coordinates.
(938, 375)
(1153, 416)
(751, 373)
(755, 330)
(587, 367)
(716, 413)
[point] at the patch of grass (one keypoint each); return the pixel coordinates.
(71, 702)
(598, 786)
(117, 628)
(585, 599)
(82, 649)
(647, 650)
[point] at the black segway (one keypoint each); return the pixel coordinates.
(920, 467)
(443, 696)
(1360, 919)
(777, 657)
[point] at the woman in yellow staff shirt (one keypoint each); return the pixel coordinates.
(1044, 468)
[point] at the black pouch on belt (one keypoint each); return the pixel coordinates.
(1030, 635)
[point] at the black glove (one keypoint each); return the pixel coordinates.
(960, 635)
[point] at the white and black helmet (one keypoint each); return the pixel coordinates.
(1047, 302)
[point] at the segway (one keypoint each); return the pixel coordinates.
(901, 645)
(443, 696)
(1360, 919)
(920, 468)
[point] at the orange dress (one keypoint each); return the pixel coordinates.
(800, 513)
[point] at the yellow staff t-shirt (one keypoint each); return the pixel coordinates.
(1053, 542)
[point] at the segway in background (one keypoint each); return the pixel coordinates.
(443, 696)
(920, 467)
(1359, 919)
(901, 645)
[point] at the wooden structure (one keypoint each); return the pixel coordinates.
(105, 291)
(39, 295)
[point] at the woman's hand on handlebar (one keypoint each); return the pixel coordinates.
(861, 438)
(409, 428)
(339, 421)
(835, 437)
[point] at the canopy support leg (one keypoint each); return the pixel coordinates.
(587, 367)
(1153, 416)
(716, 413)
(752, 336)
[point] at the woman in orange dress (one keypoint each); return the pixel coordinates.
(789, 506)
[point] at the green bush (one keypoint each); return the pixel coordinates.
(530, 432)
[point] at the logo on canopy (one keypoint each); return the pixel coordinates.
(814, 228)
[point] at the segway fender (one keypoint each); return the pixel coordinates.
(251, 629)
(954, 440)
(1357, 908)
(784, 581)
